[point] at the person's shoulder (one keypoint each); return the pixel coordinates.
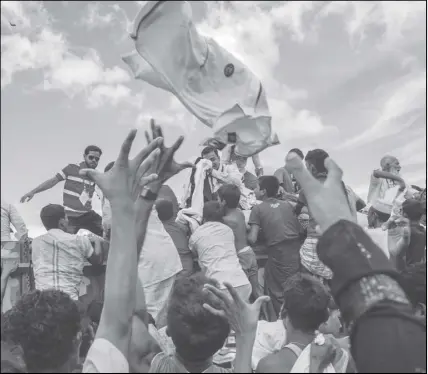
(162, 363)
(278, 362)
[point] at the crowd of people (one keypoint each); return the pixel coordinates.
(343, 288)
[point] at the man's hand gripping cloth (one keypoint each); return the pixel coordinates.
(209, 81)
(192, 216)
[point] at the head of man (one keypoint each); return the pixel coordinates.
(53, 217)
(268, 187)
(315, 162)
(165, 209)
(413, 209)
(378, 213)
(414, 283)
(306, 304)
(241, 162)
(210, 153)
(47, 325)
(390, 164)
(229, 196)
(197, 334)
(213, 211)
(298, 152)
(92, 156)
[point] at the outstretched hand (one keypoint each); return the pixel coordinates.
(126, 179)
(242, 316)
(327, 201)
(166, 166)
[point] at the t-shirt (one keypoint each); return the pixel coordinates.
(277, 220)
(104, 357)
(178, 236)
(78, 191)
(162, 363)
(214, 244)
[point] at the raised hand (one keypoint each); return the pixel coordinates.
(167, 167)
(125, 180)
(242, 316)
(327, 201)
(27, 197)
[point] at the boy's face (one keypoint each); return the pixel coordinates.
(260, 194)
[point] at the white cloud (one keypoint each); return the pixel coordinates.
(404, 103)
(413, 152)
(50, 52)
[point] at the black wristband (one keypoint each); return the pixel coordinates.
(147, 194)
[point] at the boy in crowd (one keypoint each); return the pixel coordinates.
(229, 195)
(281, 230)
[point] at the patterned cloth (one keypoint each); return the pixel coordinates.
(78, 192)
(104, 357)
(310, 261)
(58, 261)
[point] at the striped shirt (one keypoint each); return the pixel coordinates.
(58, 261)
(78, 191)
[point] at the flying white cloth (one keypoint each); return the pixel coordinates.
(209, 81)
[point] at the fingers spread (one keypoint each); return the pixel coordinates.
(126, 148)
(142, 155)
(148, 138)
(294, 165)
(90, 174)
(261, 300)
(177, 144)
(147, 164)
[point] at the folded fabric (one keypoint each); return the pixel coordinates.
(209, 81)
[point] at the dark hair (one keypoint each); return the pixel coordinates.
(230, 194)
(45, 324)
(108, 167)
(306, 302)
(413, 209)
(270, 184)
(196, 333)
(93, 148)
(51, 215)
(298, 152)
(383, 217)
(414, 283)
(213, 211)
(316, 158)
(209, 149)
(165, 209)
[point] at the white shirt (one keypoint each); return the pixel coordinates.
(10, 216)
(58, 261)
(215, 86)
(159, 259)
(104, 357)
(380, 238)
(214, 244)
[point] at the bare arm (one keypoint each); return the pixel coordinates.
(97, 255)
(43, 187)
(391, 176)
(253, 234)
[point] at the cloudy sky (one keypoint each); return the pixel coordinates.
(348, 77)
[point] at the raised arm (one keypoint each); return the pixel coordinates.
(121, 185)
(17, 222)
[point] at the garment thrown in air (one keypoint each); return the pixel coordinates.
(209, 81)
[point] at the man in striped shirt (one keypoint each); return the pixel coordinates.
(78, 193)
